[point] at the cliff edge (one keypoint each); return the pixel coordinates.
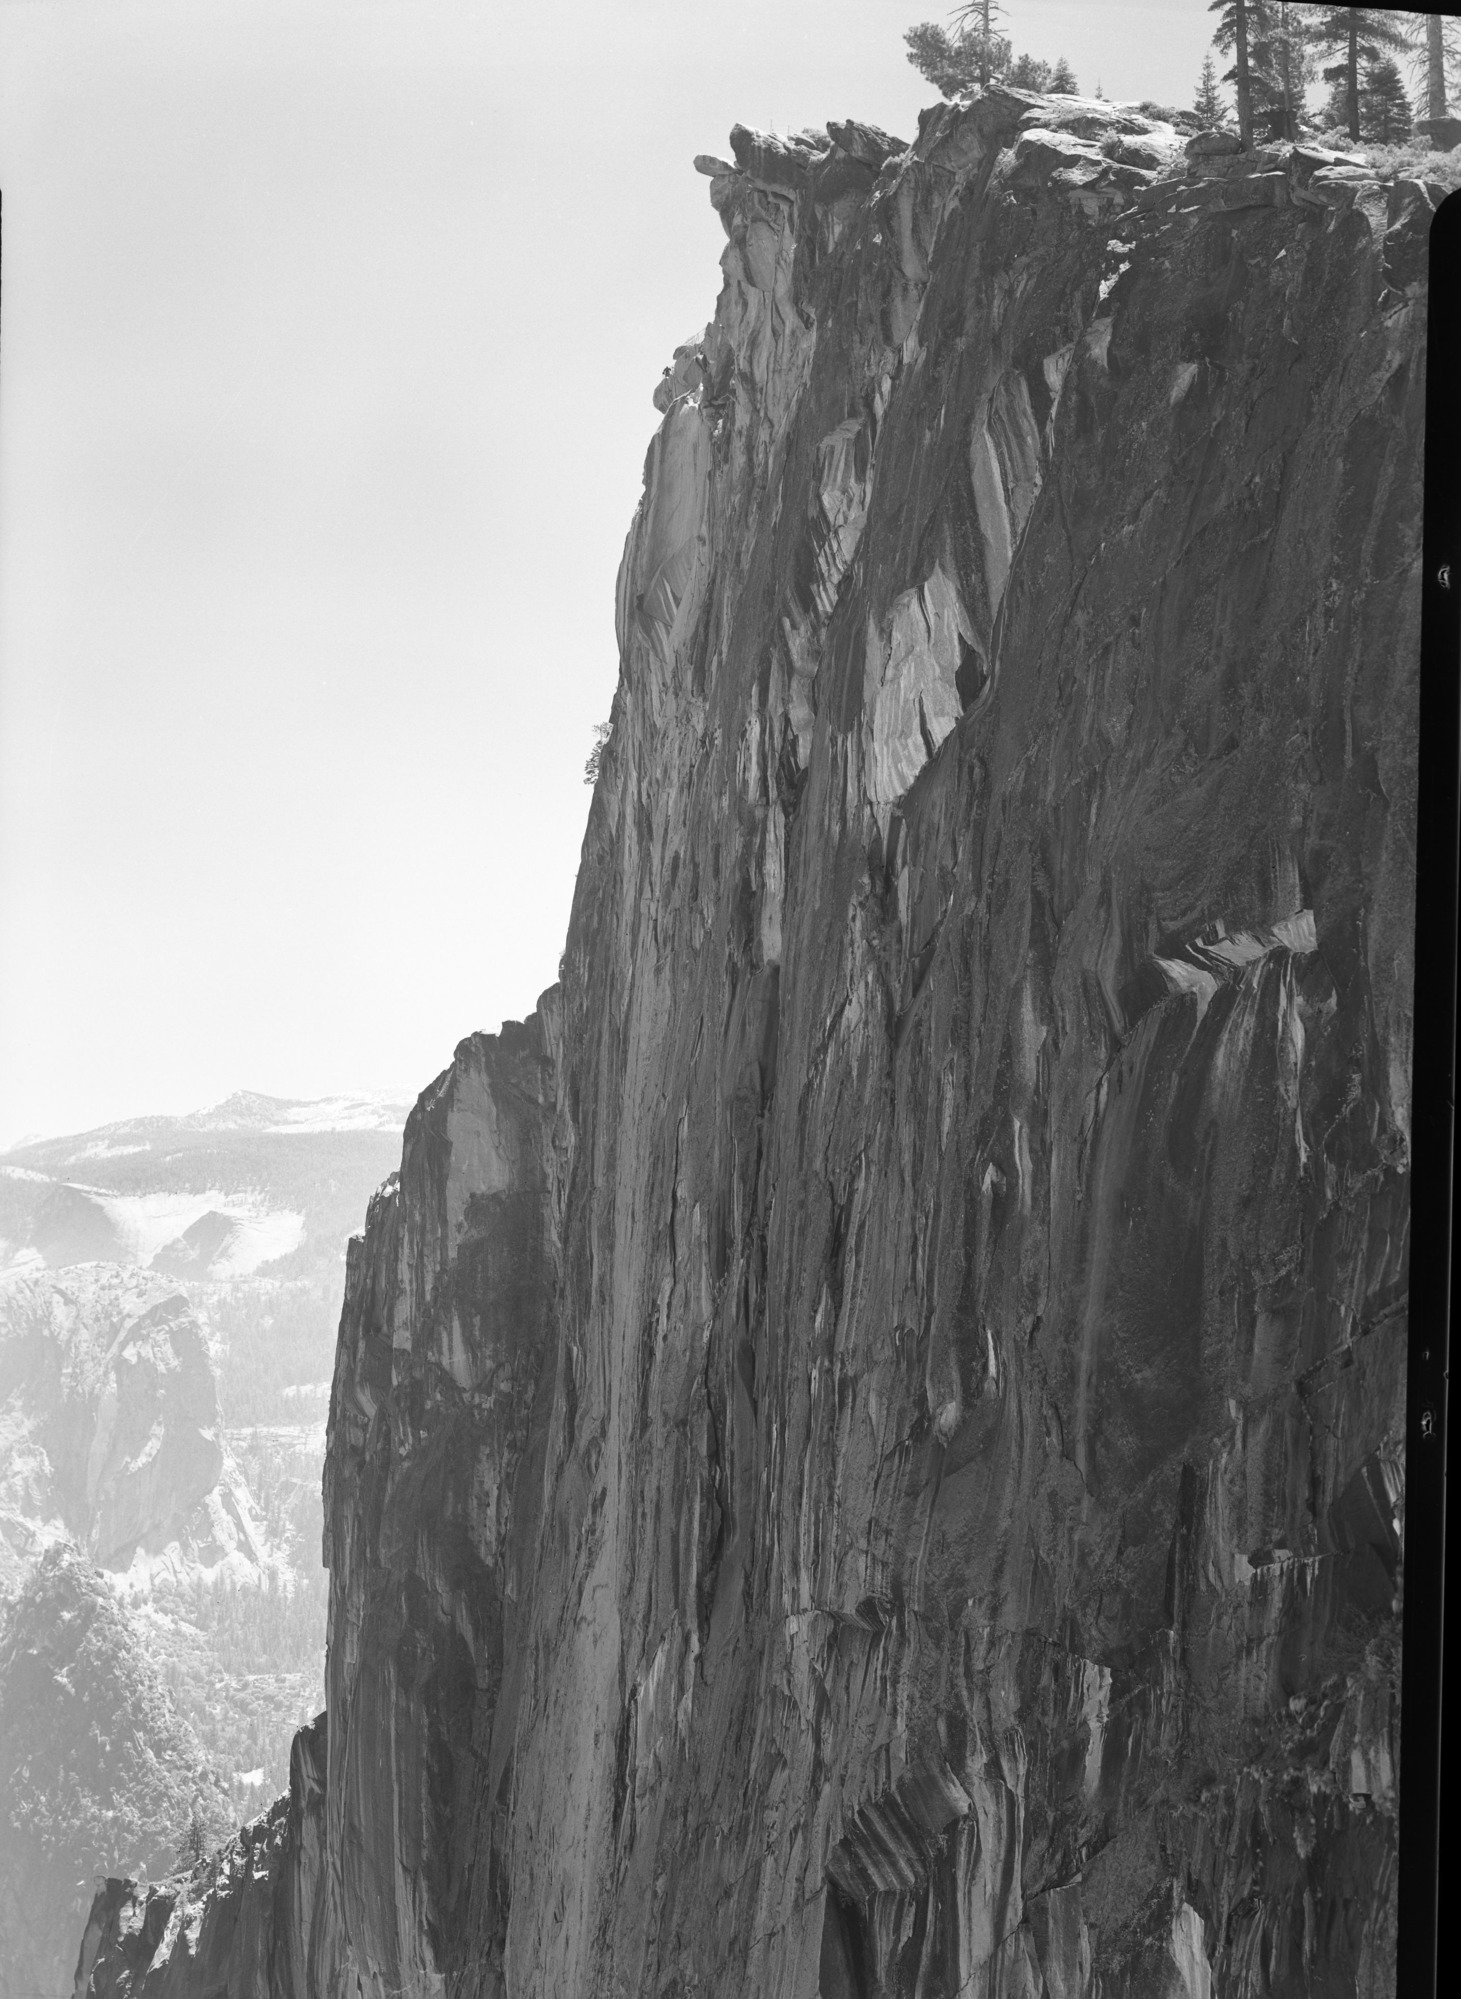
(866, 1444)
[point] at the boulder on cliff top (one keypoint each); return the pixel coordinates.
(1211, 145)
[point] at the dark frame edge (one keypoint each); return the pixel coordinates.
(1438, 845)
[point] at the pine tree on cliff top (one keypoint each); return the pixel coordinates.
(1357, 35)
(1385, 115)
(1435, 67)
(957, 63)
(1237, 22)
(1208, 103)
(1028, 73)
(1279, 68)
(977, 21)
(1293, 65)
(976, 54)
(1435, 52)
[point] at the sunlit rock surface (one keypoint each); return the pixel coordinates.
(866, 1444)
(110, 1432)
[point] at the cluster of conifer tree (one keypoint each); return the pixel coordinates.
(975, 54)
(1279, 50)
(276, 1627)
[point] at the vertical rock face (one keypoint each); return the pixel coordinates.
(431, 1482)
(865, 1454)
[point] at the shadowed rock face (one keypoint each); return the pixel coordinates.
(865, 1452)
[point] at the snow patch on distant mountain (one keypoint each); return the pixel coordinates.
(147, 1223)
(343, 1114)
(258, 1240)
(250, 1110)
(245, 1112)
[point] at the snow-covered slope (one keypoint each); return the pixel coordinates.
(222, 1193)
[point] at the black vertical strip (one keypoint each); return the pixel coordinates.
(1423, 1743)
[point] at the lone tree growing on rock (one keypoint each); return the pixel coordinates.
(1358, 35)
(1062, 79)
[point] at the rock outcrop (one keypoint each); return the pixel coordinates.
(95, 1760)
(111, 1428)
(865, 1452)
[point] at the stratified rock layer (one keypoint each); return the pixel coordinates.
(865, 1455)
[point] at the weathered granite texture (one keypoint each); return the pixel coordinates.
(865, 1454)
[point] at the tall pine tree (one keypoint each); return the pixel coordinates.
(1435, 68)
(1357, 36)
(1279, 66)
(1433, 53)
(1236, 23)
(1385, 116)
(1291, 65)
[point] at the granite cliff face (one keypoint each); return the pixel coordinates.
(865, 1452)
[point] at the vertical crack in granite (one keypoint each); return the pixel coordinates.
(866, 1446)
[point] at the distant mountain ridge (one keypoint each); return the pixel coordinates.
(170, 1288)
(255, 1183)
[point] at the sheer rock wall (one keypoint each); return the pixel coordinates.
(866, 1444)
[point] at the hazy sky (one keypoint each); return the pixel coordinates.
(329, 335)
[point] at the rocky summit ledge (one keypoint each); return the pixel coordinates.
(865, 1457)
(1101, 156)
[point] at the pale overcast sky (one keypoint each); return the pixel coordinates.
(329, 335)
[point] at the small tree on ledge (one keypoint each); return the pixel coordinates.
(602, 733)
(194, 1842)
